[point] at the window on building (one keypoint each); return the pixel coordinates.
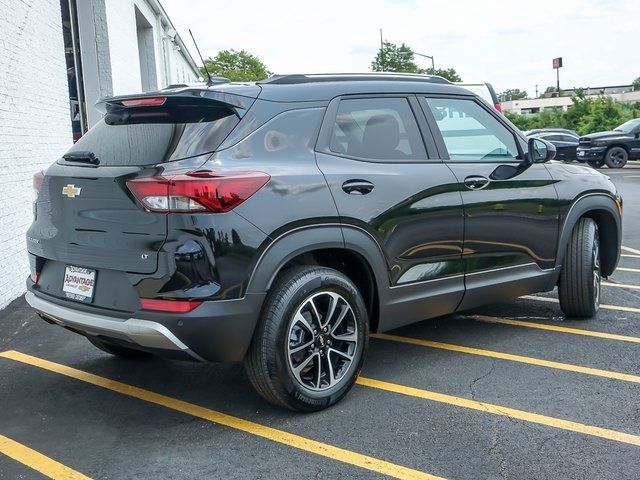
(146, 53)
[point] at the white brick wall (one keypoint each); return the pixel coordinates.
(35, 126)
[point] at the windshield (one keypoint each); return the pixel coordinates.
(629, 126)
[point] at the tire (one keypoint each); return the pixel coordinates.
(616, 157)
(287, 363)
(579, 285)
(117, 350)
(596, 163)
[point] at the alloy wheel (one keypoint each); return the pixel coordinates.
(322, 341)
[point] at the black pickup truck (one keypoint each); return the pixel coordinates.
(613, 148)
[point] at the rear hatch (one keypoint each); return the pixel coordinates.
(84, 214)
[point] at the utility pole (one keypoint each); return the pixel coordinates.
(557, 64)
(382, 65)
(536, 91)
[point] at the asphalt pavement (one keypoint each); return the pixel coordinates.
(511, 390)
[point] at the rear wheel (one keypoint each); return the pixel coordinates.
(579, 285)
(117, 350)
(616, 157)
(310, 344)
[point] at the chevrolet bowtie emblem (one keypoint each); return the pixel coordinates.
(71, 191)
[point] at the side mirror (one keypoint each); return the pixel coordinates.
(540, 151)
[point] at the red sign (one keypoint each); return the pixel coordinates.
(557, 62)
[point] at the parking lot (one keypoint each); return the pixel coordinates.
(507, 391)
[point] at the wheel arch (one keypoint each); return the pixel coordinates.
(604, 211)
(621, 145)
(351, 251)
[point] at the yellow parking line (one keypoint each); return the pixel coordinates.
(596, 372)
(621, 285)
(627, 269)
(325, 450)
(37, 461)
(631, 250)
(503, 411)
(617, 308)
(554, 328)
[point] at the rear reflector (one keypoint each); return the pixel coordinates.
(144, 102)
(35, 277)
(172, 306)
(200, 192)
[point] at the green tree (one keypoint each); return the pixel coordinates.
(636, 84)
(448, 73)
(513, 94)
(237, 66)
(585, 115)
(603, 114)
(393, 58)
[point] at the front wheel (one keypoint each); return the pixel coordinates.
(616, 157)
(311, 341)
(596, 163)
(579, 285)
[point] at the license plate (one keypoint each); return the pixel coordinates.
(581, 153)
(79, 283)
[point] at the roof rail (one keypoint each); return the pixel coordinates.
(350, 77)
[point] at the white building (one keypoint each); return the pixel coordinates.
(624, 93)
(116, 47)
(57, 57)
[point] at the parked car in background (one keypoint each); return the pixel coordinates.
(612, 148)
(565, 141)
(485, 91)
(549, 130)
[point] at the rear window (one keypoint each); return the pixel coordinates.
(147, 136)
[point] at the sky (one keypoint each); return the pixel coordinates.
(510, 44)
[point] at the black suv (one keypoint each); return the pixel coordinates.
(280, 222)
(612, 148)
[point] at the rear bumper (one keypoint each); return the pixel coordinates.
(217, 331)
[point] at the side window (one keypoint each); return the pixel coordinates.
(471, 133)
(377, 129)
(553, 138)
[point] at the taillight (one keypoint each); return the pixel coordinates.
(35, 277)
(145, 102)
(38, 178)
(205, 192)
(172, 306)
(498, 107)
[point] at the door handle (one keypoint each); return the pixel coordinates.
(476, 182)
(357, 187)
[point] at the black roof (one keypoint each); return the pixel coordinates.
(323, 87)
(298, 78)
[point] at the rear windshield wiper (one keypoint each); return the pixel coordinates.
(82, 157)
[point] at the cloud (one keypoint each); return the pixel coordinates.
(507, 43)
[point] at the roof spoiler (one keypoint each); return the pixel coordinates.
(182, 97)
